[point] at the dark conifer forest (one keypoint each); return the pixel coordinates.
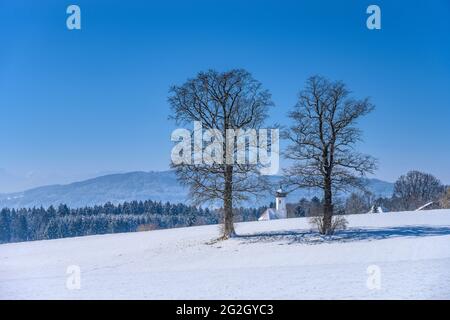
(51, 223)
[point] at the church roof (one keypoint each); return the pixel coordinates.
(271, 214)
(281, 194)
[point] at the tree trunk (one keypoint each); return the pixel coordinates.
(327, 207)
(228, 226)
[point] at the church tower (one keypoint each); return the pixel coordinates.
(280, 203)
(279, 212)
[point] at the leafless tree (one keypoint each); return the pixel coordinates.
(322, 140)
(221, 101)
(416, 189)
(358, 203)
(338, 223)
(445, 199)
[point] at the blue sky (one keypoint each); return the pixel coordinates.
(77, 103)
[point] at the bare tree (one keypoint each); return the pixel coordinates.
(338, 223)
(315, 207)
(445, 199)
(358, 203)
(416, 189)
(221, 101)
(323, 136)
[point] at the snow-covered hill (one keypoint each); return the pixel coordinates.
(391, 255)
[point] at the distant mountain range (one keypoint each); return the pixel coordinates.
(116, 188)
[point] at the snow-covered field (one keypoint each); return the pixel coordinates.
(392, 255)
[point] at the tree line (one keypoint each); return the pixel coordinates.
(28, 224)
(411, 191)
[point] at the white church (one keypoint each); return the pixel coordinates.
(279, 212)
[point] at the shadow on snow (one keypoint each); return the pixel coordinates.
(349, 235)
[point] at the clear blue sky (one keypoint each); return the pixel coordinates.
(78, 102)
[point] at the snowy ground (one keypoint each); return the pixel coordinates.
(271, 260)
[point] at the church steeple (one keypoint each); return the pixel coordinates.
(280, 200)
